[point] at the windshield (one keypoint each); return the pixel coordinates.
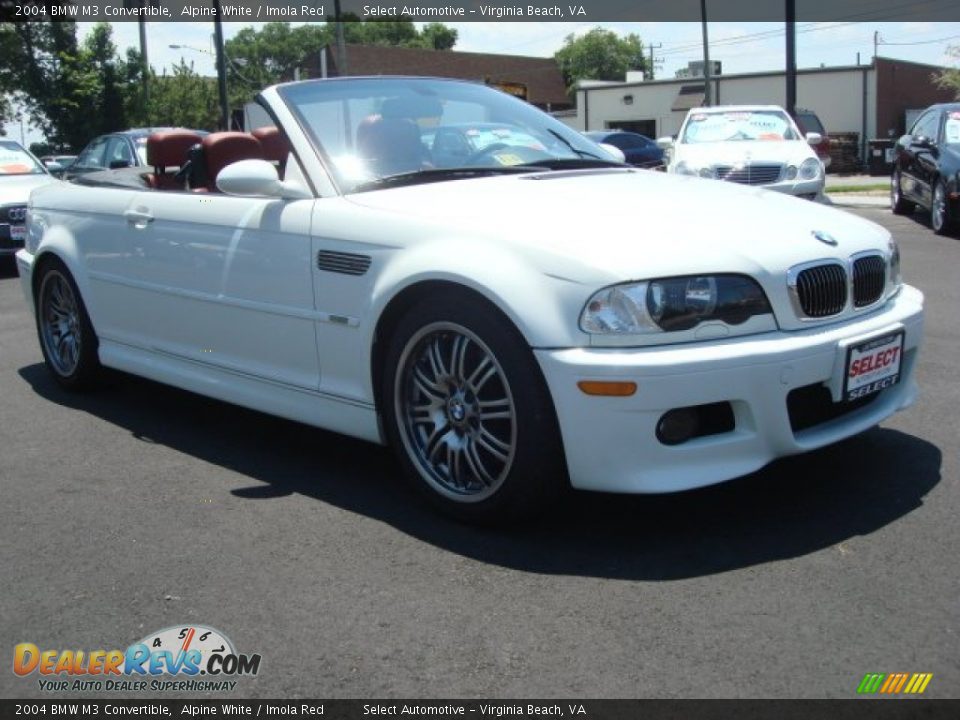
(14, 160)
(738, 125)
(368, 129)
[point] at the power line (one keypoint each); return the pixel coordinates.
(920, 42)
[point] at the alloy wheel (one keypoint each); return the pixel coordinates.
(60, 323)
(456, 412)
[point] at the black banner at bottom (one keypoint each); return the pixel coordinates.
(874, 709)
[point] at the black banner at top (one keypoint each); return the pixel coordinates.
(383, 709)
(448, 11)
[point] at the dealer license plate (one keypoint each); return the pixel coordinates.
(872, 366)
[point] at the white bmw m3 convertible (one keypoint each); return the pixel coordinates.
(511, 312)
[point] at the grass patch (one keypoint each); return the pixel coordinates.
(873, 187)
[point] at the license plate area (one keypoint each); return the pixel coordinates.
(872, 365)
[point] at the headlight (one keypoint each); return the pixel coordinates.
(791, 172)
(682, 168)
(895, 278)
(706, 172)
(673, 304)
(810, 169)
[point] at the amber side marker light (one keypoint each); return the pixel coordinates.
(607, 388)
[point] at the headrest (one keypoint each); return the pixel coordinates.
(168, 148)
(275, 145)
(222, 148)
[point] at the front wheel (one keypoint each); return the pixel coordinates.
(940, 219)
(67, 339)
(469, 414)
(897, 203)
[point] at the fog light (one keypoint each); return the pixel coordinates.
(678, 426)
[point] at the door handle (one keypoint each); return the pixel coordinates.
(138, 218)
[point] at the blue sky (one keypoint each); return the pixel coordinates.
(741, 47)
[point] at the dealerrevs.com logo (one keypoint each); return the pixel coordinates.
(181, 658)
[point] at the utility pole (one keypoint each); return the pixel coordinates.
(341, 43)
(221, 68)
(707, 83)
(145, 69)
(791, 12)
(653, 62)
(876, 42)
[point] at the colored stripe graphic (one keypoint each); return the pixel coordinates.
(894, 683)
(870, 683)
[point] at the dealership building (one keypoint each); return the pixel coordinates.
(872, 101)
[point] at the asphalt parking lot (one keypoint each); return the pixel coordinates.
(142, 507)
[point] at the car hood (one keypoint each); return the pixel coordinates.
(15, 189)
(743, 152)
(614, 225)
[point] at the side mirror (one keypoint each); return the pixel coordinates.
(257, 178)
(118, 164)
(615, 152)
(922, 141)
(665, 142)
(814, 138)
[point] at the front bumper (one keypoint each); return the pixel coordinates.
(611, 444)
(804, 188)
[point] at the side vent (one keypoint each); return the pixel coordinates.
(341, 262)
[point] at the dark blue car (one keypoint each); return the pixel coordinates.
(639, 150)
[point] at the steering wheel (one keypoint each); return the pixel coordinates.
(489, 149)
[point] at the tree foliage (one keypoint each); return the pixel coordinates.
(599, 55)
(71, 91)
(75, 90)
(183, 98)
(258, 58)
(950, 77)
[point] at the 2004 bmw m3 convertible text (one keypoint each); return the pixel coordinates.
(493, 312)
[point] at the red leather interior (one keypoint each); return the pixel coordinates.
(168, 149)
(222, 148)
(275, 145)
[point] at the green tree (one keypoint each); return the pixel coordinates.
(950, 77)
(71, 91)
(599, 55)
(184, 99)
(437, 36)
(258, 58)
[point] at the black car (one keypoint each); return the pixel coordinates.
(926, 168)
(639, 150)
(127, 148)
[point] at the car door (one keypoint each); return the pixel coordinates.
(927, 159)
(222, 281)
(914, 176)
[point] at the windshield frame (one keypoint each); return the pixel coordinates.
(579, 145)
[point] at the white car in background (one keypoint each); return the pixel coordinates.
(467, 311)
(20, 173)
(756, 145)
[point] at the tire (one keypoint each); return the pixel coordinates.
(66, 335)
(468, 413)
(940, 219)
(897, 203)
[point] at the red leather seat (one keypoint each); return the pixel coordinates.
(276, 146)
(168, 149)
(223, 148)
